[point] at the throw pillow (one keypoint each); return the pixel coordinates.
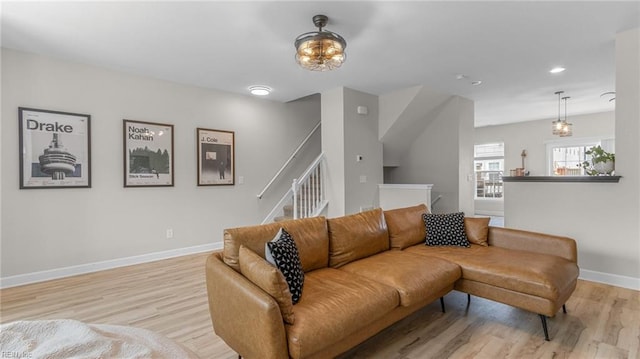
(445, 229)
(269, 279)
(477, 230)
(406, 227)
(285, 255)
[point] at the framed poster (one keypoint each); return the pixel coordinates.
(55, 149)
(216, 158)
(148, 154)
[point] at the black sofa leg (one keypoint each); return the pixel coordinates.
(564, 309)
(442, 304)
(544, 326)
(468, 299)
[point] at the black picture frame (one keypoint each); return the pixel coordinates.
(216, 157)
(148, 154)
(55, 149)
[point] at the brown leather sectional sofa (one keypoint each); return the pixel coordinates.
(366, 271)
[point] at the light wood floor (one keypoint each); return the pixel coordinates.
(169, 297)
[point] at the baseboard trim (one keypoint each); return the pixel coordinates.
(611, 279)
(28, 278)
(490, 213)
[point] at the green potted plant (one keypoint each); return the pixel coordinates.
(602, 162)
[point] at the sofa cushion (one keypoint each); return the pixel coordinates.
(356, 236)
(310, 235)
(445, 229)
(269, 279)
(477, 230)
(335, 304)
(509, 268)
(284, 253)
(415, 277)
(406, 226)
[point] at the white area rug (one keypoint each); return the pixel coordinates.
(53, 339)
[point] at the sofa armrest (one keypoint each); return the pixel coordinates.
(243, 315)
(533, 242)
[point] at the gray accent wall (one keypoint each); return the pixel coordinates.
(45, 229)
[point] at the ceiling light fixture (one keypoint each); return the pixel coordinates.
(610, 93)
(556, 126)
(320, 50)
(260, 90)
(562, 127)
(557, 70)
(567, 128)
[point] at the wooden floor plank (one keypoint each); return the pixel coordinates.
(169, 297)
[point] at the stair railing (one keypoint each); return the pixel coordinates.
(293, 155)
(306, 194)
(308, 191)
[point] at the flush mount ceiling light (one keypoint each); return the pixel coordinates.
(557, 70)
(320, 50)
(259, 90)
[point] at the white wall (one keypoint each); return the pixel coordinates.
(361, 134)
(534, 137)
(604, 218)
(346, 134)
(333, 147)
(466, 181)
(44, 229)
(443, 156)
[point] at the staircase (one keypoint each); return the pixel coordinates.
(305, 198)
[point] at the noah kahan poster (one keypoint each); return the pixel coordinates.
(215, 157)
(148, 152)
(55, 149)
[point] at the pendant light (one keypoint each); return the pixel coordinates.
(567, 128)
(556, 126)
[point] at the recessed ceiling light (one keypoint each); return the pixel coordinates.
(260, 90)
(557, 70)
(476, 83)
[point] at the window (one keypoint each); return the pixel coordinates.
(489, 167)
(566, 157)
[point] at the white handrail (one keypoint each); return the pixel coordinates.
(289, 160)
(307, 194)
(311, 168)
(312, 188)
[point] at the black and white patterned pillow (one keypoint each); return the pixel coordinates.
(445, 229)
(283, 253)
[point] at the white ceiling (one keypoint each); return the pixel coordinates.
(229, 46)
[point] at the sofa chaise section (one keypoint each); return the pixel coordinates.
(540, 278)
